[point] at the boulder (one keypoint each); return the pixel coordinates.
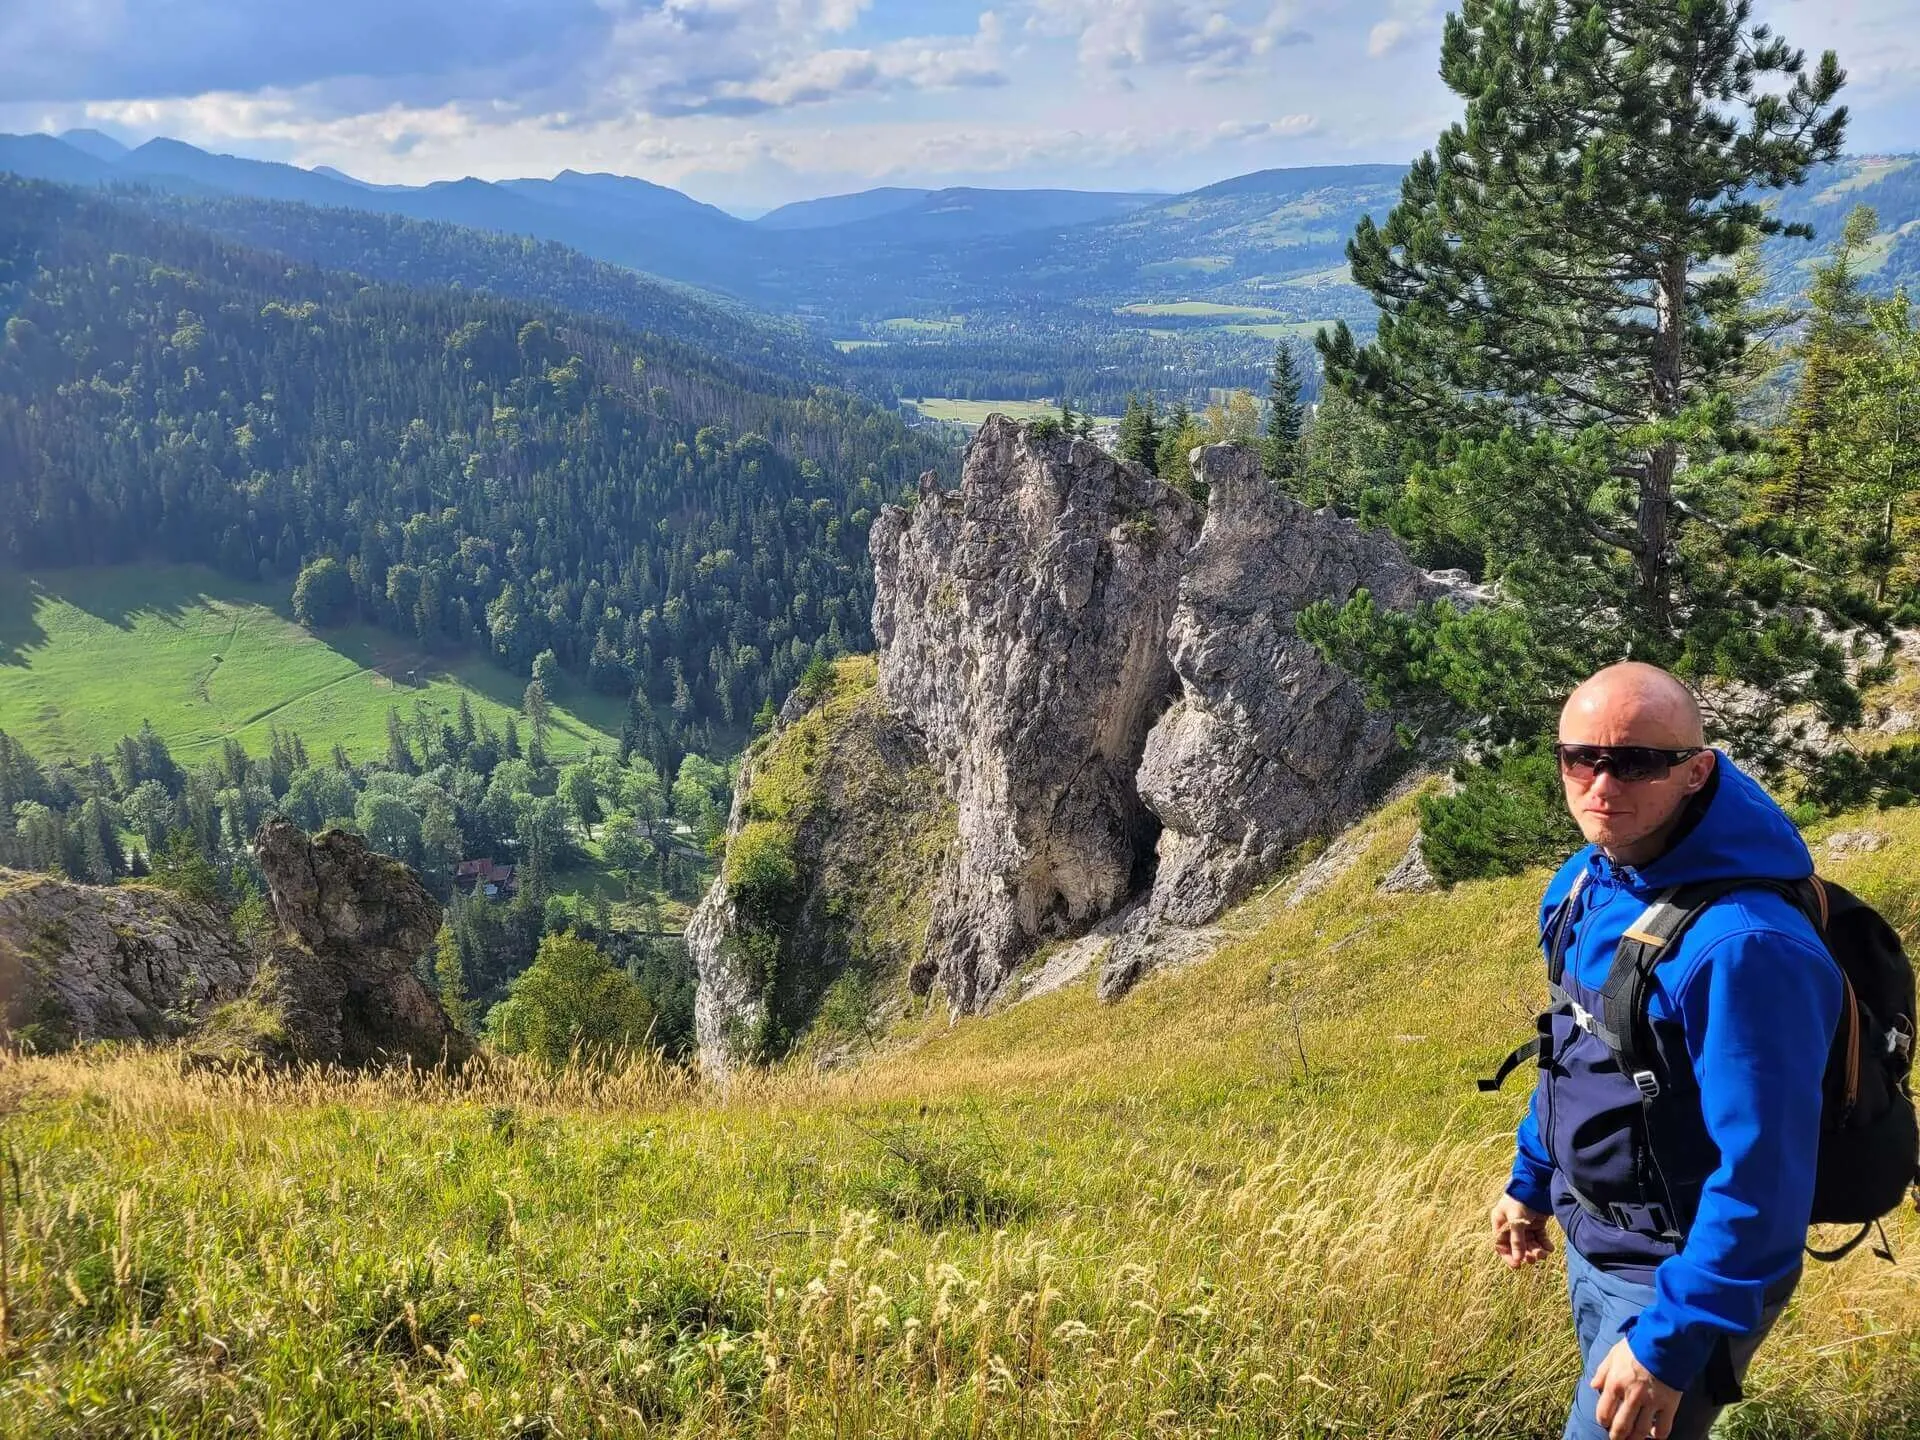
(1021, 623)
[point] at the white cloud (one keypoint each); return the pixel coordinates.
(934, 62)
(1387, 37)
(1286, 125)
(1206, 41)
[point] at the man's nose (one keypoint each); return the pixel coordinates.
(1606, 783)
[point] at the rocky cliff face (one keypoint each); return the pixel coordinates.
(1267, 744)
(1021, 624)
(1111, 689)
(82, 963)
(843, 791)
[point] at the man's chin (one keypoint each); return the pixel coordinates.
(1608, 832)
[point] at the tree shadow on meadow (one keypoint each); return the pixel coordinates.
(20, 630)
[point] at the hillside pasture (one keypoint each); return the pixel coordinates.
(1248, 1201)
(87, 655)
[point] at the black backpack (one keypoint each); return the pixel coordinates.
(1869, 1140)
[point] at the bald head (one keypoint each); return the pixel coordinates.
(1632, 704)
(1640, 706)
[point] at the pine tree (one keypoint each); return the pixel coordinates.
(1177, 439)
(1560, 338)
(1280, 452)
(1837, 326)
(539, 712)
(1868, 454)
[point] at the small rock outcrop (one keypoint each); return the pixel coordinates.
(1268, 744)
(338, 985)
(79, 962)
(839, 817)
(1021, 624)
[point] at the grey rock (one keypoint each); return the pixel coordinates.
(727, 1007)
(338, 985)
(1269, 745)
(1154, 948)
(1021, 624)
(1843, 843)
(80, 962)
(1411, 875)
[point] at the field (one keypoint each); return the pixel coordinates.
(975, 412)
(1204, 308)
(1249, 1201)
(87, 655)
(1283, 330)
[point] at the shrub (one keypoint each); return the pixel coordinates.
(1503, 819)
(571, 1001)
(761, 871)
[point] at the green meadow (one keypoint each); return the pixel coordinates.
(87, 655)
(975, 412)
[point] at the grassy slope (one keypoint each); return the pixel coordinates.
(86, 655)
(1248, 1201)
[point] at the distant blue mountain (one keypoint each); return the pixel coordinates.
(1272, 242)
(831, 210)
(95, 143)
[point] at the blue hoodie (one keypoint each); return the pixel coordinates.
(1743, 1013)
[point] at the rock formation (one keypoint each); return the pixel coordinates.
(1268, 743)
(843, 789)
(78, 962)
(85, 962)
(1021, 624)
(1130, 732)
(338, 985)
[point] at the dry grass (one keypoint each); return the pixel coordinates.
(1063, 1220)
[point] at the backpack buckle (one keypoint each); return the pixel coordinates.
(1647, 1083)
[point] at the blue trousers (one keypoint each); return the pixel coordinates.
(1603, 1305)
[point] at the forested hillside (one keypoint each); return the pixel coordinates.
(432, 253)
(454, 467)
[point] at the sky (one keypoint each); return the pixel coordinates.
(753, 103)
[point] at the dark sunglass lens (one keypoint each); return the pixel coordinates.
(1579, 759)
(1633, 762)
(1623, 762)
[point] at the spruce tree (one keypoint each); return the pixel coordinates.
(1560, 338)
(1140, 434)
(1280, 449)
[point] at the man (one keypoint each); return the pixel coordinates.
(1684, 1209)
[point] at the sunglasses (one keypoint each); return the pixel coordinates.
(1623, 762)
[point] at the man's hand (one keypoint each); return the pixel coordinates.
(1633, 1405)
(1519, 1233)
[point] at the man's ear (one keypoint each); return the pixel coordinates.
(1700, 770)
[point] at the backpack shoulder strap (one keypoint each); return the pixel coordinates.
(1623, 1025)
(1557, 929)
